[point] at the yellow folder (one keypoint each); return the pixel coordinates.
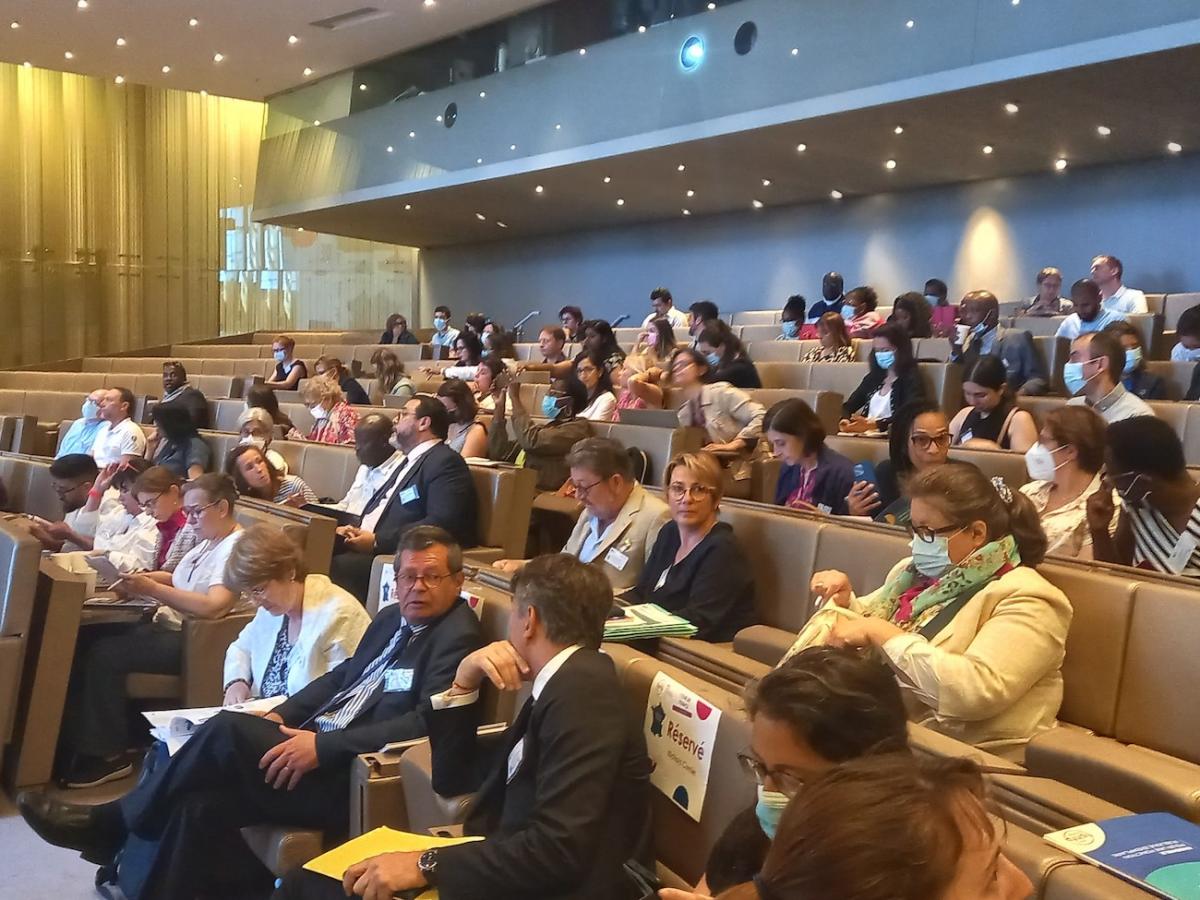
(382, 840)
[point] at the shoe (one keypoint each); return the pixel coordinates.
(92, 771)
(72, 825)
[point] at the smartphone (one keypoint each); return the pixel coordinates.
(865, 471)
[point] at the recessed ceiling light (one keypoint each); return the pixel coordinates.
(362, 87)
(909, 24)
(479, 160)
(120, 42)
(583, 51)
(1060, 164)
(192, 23)
(557, 127)
(539, 190)
(836, 195)
(307, 71)
(68, 55)
(899, 129)
(890, 164)
(641, 29)
(481, 217)
(482, 95)
(766, 182)
(407, 206)
(987, 149)
(166, 70)
(218, 57)
(800, 148)
(412, 134)
(608, 179)
(438, 117)
(512, 146)
(27, 64)
(1011, 108)
(316, 121)
(120, 79)
(81, 4)
(292, 39)
(712, 6)
(757, 204)
(431, 2)
(1016, 2)
(14, 25)
(1103, 130)
(620, 201)
(203, 93)
(795, 51)
(681, 168)
(501, 224)
(1174, 147)
(391, 149)
(691, 193)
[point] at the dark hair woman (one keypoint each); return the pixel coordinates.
(892, 381)
(991, 419)
(813, 477)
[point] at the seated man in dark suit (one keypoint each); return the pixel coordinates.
(292, 766)
(564, 801)
(177, 390)
(1025, 371)
(433, 486)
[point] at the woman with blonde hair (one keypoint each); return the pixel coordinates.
(697, 569)
(305, 625)
(335, 419)
(390, 377)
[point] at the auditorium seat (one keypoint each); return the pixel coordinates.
(20, 556)
(505, 505)
(1176, 375)
(786, 375)
(1174, 306)
(221, 351)
(775, 351)
(755, 317)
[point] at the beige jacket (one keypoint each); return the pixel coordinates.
(622, 552)
(726, 412)
(993, 676)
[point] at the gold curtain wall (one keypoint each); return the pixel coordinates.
(127, 223)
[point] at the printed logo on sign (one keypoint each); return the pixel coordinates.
(387, 585)
(681, 730)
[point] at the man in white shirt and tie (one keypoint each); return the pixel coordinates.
(379, 460)
(1107, 272)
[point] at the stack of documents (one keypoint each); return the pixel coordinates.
(174, 726)
(646, 620)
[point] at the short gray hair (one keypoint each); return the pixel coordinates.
(259, 416)
(572, 598)
(604, 456)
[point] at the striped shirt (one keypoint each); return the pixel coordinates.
(1155, 541)
(292, 485)
(346, 706)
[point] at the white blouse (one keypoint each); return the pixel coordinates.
(602, 409)
(201, 567)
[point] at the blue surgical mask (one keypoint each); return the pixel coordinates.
(981, 327)
(790, 329)
(847, 312)
(439, 323)
(885, 358)
(1183, 354)
(1133, 359)
(549, 406)
(769, 810)
(91, 410)
(1074, 378)
(931, 558)
(713, 359)
(280, 355)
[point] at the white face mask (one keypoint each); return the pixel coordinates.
(251, 441)
(319, 412)
(1039, 461)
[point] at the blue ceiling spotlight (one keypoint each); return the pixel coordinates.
(692, 53)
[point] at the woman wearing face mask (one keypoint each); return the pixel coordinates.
(656, 343)
(1135, 377)
(888, 827)
(305, 625)
(334, 420)
(912, 313)
(991, 420)
(261, 397)
(975, 634)
(892, 381)
(813, 477)
(836, 345)
(821, 708)
(791, 320)
(467, 436)
(257, 429)
(919, 439)
(288, 370)
(1158, 527)
(859, 312)
(726, 356)
(1065, 467)
(545, 444)
(602, 402)
(943, 316)
(255, 477)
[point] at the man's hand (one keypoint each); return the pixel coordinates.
(382, 877)
(500, 663)
(104, 479)
(1101, 509)
(509, 565)
(725, 449)
(288, 762)
(357, 539)
(60, 531)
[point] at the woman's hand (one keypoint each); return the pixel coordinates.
(858, 424)
(863, 499)
(1101, 508)
(864, 631)
(832, 585)
(725, 449)
(105, 478)
(136, 585)
(238, 692)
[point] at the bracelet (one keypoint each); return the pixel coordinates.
(95, 494)
(454, 685)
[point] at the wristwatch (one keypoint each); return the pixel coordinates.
(427, 864)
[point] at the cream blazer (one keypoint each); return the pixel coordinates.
(726, 413)
(332, 625)
(993, 676)
(632, 535)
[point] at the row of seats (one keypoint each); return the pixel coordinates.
(1183, 417)
(357, 355)
(148, 383)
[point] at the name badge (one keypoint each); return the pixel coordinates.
(662, 579)
(965, 436)
(409, 494)
(616, 559)
(395, 680)
(1182, 553)
(515, 758)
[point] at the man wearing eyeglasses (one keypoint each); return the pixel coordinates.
(292, 766)
(72, 477)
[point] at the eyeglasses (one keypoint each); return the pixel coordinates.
(407, 580)
(63, 491)
(149, 504)
(788, 782)
(923, 441)
(927, 534)
(677, 491)
(194, 512)
(581, 490)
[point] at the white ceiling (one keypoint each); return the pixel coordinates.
(251, 35)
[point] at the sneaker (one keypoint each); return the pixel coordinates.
(92, 771)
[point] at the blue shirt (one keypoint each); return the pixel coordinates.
(80, 437)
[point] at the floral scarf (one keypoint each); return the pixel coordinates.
(910, 600)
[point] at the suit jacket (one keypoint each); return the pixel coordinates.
(433, 656)
(576, 808)
(632, 533)
(906, 389)
(993, 676)
(437, 490)
(1023, 366)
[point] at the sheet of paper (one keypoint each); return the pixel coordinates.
(174, 726)
(382, 840)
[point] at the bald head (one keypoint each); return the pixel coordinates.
(832, 285)
(372, 440)
(980, 306)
